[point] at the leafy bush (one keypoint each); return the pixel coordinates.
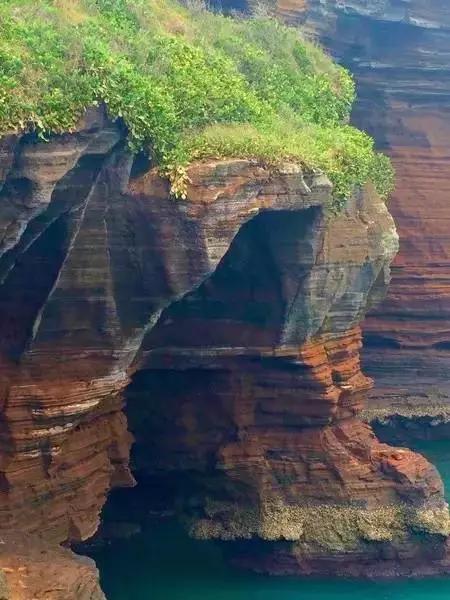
(187, 83)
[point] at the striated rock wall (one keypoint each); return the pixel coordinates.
(247, 399)
(31, 568)
(235, 317)
(399, 53)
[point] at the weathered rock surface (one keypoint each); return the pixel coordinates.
(235, 314)
(247, 397)
(32, 569)
(399, 52)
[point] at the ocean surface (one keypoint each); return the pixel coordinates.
(162, 563)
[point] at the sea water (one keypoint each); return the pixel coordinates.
(162, 563)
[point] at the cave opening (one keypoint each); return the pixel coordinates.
(156, 559)
(192, 394)
(227, 406)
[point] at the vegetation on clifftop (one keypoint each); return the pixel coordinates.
(188, 84)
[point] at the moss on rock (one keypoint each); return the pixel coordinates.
(322, 528)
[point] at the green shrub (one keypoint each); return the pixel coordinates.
(187, 83)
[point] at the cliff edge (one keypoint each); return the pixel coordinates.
(207, 254)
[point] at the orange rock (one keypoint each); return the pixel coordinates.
(399, 57)
(235, 315)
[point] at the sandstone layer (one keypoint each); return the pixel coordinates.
(235, 316)
(246, 406)
(399, 53)
(32, 569)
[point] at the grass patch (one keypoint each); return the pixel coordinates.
(188, 84)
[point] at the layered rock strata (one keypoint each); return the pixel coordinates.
(399, 53)
(32, 569)
(235, 314)
(247, 399)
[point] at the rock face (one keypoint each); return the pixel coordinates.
(30, 568)
(247, 399)
(399, 52)
(235, 316)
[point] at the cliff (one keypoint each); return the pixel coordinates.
(247, 399)
(399, 55)
(214, 300)
(30, 567)
(235, 313)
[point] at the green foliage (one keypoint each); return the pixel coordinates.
(187, 83)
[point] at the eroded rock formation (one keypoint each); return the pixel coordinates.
(235, 314)
(399, 53)
(33, 569)
(247, 400)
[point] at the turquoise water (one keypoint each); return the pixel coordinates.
(163, 564)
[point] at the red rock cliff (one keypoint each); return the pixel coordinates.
(399, 53)
(236, 315)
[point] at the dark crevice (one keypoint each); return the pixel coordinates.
(230, 6)
(442, 346)
(29, 270)
(159, 411)
(142, 163)
(69, 194)
(244, 301)
(379, 341)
